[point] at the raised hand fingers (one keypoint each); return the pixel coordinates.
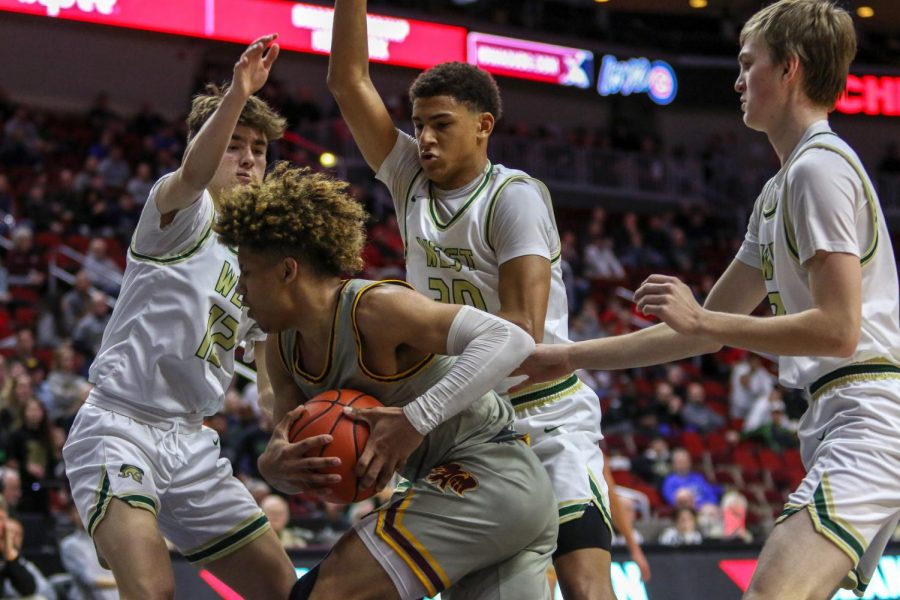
(271, 55)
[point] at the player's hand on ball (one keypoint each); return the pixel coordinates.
(252, 69)
(548, 361)
(392, 438)
(285, 467)
(672, 301)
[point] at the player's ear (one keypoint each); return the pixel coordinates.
(485, 124)
(791, 67)
(290, 269)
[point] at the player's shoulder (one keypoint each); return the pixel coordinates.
(821, 163)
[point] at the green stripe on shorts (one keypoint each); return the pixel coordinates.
(240, 535)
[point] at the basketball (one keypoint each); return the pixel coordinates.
(325, 414)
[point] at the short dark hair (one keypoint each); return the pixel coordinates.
(465, 83)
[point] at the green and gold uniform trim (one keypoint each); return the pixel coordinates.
(462, 210)
(389, 527)
(545, 393)
(407, 199)
(413, 370)
(839, 532)
(769, 212)
(177, 258)
(105, 496)
(573, 510)
(492, 208)
(294, 365)
(240, 535)
(872, 203)
(875, 369)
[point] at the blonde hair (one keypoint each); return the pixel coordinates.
(819, 33)
(257, 114)
(299, 213)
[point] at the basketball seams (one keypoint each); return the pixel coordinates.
(346, 444)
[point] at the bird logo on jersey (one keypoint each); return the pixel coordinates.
(453, 477)
(131, 471)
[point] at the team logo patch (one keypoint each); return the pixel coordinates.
(452, 477)
(131, 471)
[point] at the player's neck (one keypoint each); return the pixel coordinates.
(464, 176)
(788, 132)
(315, 305)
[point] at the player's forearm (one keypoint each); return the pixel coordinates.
(809, 333)
(488, 349)
(349, 62)
(651, 346)
(204, 153)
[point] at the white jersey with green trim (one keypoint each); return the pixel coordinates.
(450, 237)
(823, 200)
(168, 349)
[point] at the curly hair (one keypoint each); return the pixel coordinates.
(299, 213)
(465, 83)
(256, 114)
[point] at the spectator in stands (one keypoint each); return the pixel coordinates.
(12, 489)
(140, 185)
(20, 144)
(19, 395)
(24, 351)
(114, 169)
(654, 463)
(750, 380)
(734, 517)
(79, 557)
(24, 261)
(778, 434)
(102, 270)
(44, 589)
(697, 414)
(89, 331)
(75, 303)
(760, 413)
(683, 477)
(11, 568)
(709, 522)
(278, 513)
(66, 387)
(600, 262)
(33, 449)
(684, 532)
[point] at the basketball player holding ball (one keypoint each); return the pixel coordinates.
(477, 519)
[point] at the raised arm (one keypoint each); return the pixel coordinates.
(349, 82)
(204, 152)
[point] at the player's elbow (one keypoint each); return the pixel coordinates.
(341, 82)
(845, 342)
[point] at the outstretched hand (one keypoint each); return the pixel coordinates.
(285, 466)
(392, 438)
(252, 69)
(547, 362)
(672, 301)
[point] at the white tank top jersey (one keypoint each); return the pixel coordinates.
(823, 200)
(168, 349)
(455, 241)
